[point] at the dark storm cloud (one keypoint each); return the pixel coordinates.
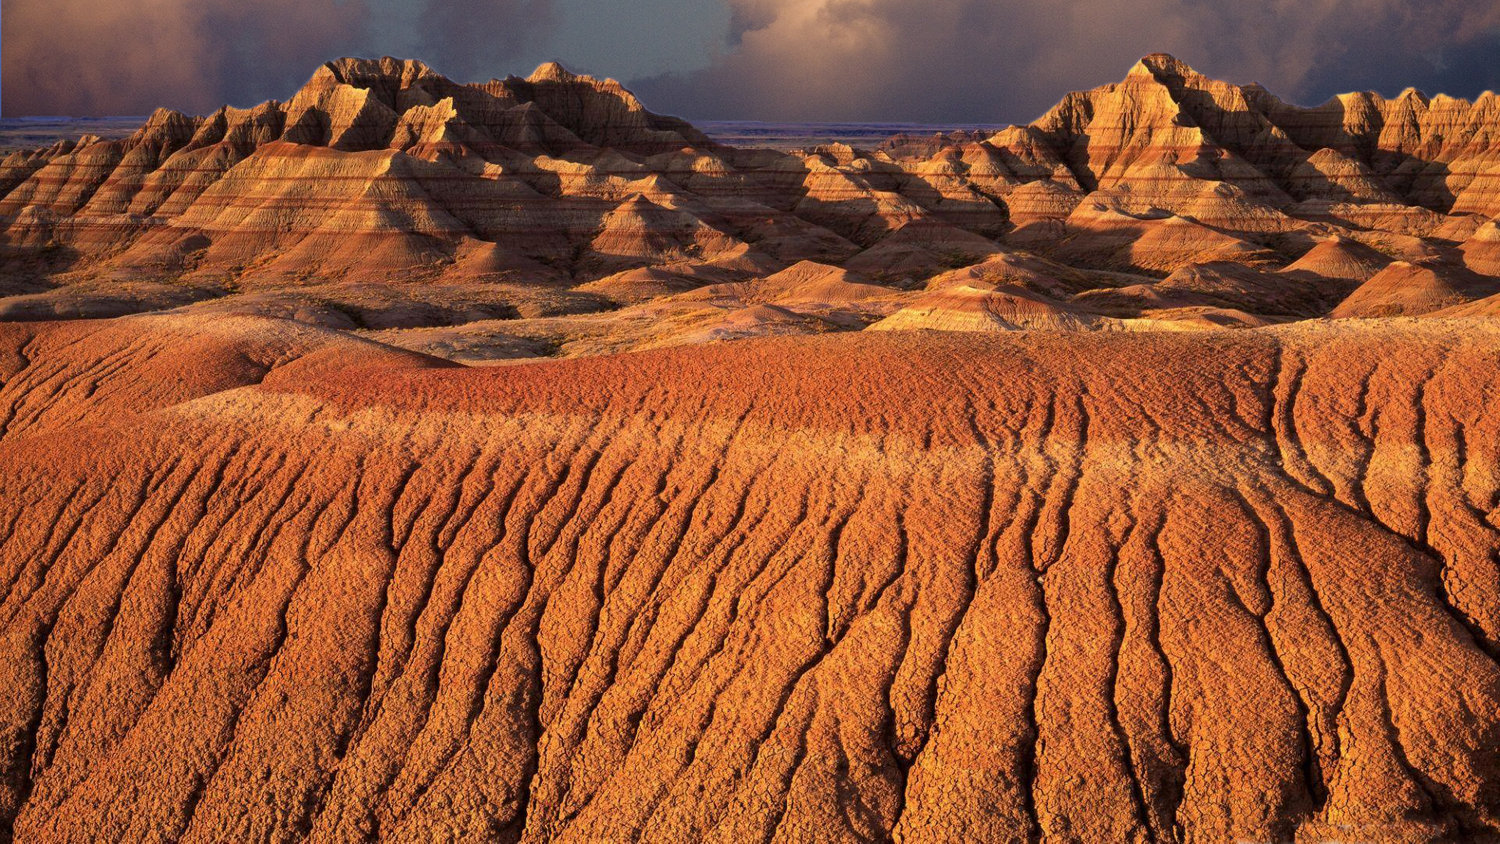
(986, 61)
(479, 39)
(84, 57)
(127, 56)
(935, 60)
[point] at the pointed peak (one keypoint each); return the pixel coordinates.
(1356, 99)
(1158, 65)
(1165, 61)
(163, 120)
(552, 72)
(1412, 94)
(165, 115)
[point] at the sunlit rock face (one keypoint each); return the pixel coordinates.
(416, 460)
(531, 202)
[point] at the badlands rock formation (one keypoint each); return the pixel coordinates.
(1127, 476)
(557, 216)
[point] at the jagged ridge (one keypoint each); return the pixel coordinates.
(560, 195)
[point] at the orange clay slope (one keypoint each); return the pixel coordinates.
(265, 581)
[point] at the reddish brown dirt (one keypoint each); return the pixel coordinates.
(260, 581)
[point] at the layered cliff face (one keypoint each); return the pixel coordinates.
(265, 581)
(1167, 125)
(572, 220)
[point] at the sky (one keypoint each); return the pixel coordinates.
(938, 61)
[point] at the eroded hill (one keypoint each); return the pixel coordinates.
(555, 216)
(262, 581)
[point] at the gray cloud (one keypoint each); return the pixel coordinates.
(918, 60)
(86, 57)
(479, 39)
(127, 56)
(987, 61)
